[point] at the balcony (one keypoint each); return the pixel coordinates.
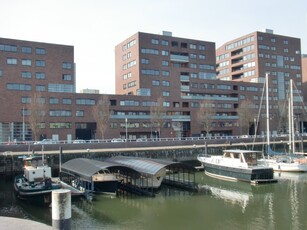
(179, 58)
(184, 78)
(185, 88)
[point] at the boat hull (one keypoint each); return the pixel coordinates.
(36, 194)
(285, 166)
(106, 187)
(239, 174)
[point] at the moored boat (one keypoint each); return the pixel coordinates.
(35, 185)
(105, 182)
(283, 162)
(237, 165)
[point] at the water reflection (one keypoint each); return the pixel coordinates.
(220, 205)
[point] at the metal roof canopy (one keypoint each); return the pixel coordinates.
(148, 166)
(86, 168)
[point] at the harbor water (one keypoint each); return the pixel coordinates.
(218, 205)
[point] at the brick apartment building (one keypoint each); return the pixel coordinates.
(250, 57)
(180, 71)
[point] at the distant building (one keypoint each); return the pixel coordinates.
(90, 91)
(148, 67)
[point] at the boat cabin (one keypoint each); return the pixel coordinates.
(35, 169)
(245, 156)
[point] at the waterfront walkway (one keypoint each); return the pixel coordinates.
(11, 223)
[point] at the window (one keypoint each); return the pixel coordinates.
(165, 93)
(155, 41)
(66, 101)
(150, 51)
(166, 83)
(60, 113)
(202, 57)
(25, 100)
(40, 88)
(11, 61)
(8, 48)
(66, 65)
(280, 61)
(40, 75)
(155, 83)
(164, 43)
(164, 53)
(61, 88)
(193, 46)
(26, 62)
(79, 113)
(1, 73)
(60, 125)
(53, 100)
(202, 47)
(40, 51)
(40, 63)
(26, 74)
(165, 73)
(193, 66)
(174, 44)
(193, 56)
(26, 50)
(145, 61)
(21, 87)
(85, 101)
(66, 77)
(165, 63)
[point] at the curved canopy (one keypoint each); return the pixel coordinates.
(147, 165)
(86, 168)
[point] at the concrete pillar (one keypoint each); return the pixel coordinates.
(61, 209)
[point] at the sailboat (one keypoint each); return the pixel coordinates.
(283, 162)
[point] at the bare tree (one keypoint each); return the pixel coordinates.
(157, 113)
(282, 116)
(37, 112)
(246, 113)
(205, 116)
(101, 114)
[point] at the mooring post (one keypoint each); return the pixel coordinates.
(61, 209)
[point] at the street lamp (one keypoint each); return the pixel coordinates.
(126, 120)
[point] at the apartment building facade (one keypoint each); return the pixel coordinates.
(149, 67)
(250, 57)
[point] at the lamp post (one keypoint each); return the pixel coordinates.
(126, 120)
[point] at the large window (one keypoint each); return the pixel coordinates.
(67, 65)
(280, 61)
(66, 77)
(40, 88)
(8, 48)
(53, 100)
(85, 101)
(66, 101)
(60, 113)
(26, 74)
(40, 75)
(11, 61)
(21, 87)
(26, 50)
(26, 62)
(40, 63)
(60, 125)
(61, 88)
(40, 51)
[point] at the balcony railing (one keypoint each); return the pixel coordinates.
(179, 58)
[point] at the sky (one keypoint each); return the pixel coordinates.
(95, 27)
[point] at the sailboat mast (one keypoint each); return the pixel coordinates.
(291, 122)
(267, 110)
